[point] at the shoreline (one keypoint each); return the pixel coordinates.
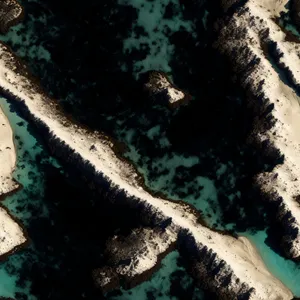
(76, 142)
(261, 75)
(15, 226)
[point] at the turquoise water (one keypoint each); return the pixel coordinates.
(287, 271)
(160, 284)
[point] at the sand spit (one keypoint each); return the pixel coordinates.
(247, 37)
(92, 148)
(11, 233)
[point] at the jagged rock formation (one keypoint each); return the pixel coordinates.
(10, 14)
(133, 258)
(94, 154)
(262, 57)
(159, 88)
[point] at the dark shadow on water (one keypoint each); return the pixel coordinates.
(69, 244)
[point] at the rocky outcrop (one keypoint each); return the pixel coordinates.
(10, 14)
(160, 90)
(132, 259)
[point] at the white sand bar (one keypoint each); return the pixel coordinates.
(239, 254)
(11, 233)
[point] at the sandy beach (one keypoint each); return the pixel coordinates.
(11, 233)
